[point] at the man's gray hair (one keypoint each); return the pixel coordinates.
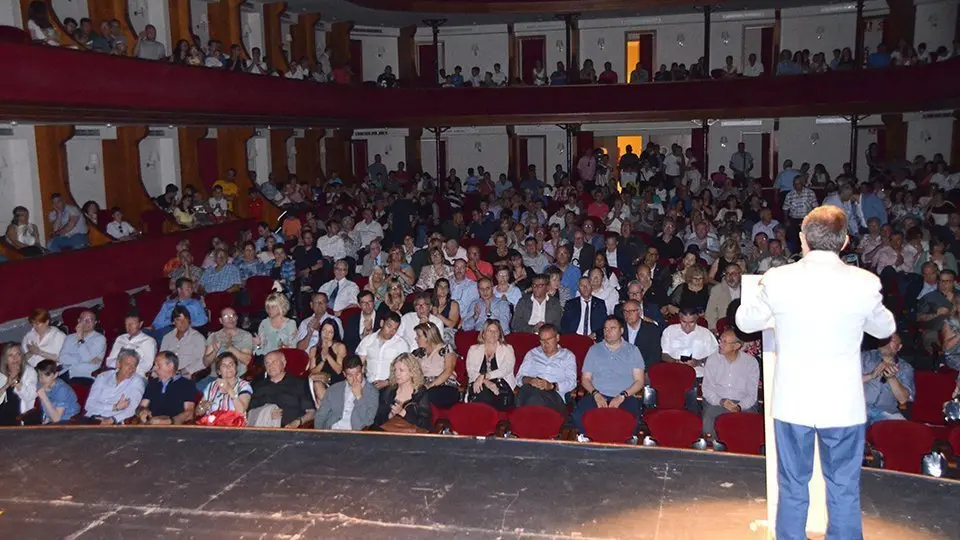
(171, 357)
(132, 353)
(825, 229)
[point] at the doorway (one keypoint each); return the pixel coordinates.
(758, 40)
(359, 149)
(533, 49)
(640, 50)
(356, 59)
(533, 151)
(427, 63)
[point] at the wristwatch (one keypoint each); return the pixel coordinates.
(594, 392)
(624, 394)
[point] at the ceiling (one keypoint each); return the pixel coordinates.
(344, 10)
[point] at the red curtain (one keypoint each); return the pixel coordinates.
(696, 144)
(881, 143)
(359, 150)
(532, 50)
(646, 54)
(766, 50)
(523, 157)
(765, 141)
(356, 59)
(427, 58)
(207, 163)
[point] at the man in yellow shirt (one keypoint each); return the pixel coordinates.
(229, 187)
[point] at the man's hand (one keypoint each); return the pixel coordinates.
(877, 371)
(601, 401)
(943, 311)
(277, 413)
(616, 402)
(381, 384)
(33, 349)
(106, 421)
(478, 385)
(121, 404)
(891, 371)
(729, 405)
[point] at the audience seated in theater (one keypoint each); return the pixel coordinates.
(398, 269)
(39, 27)
(421, 314)
(282, 268)
(692, 295)
(147, 47)
(603, 288)
(83, 351)
(374, 258)
(332, 243)
(135, 339)
(438, 364)
(326, 359)
(547, 373)
(118, 229)
(247, 263)
(490, 368)
(688, 342)
(23, 235)
(184, 298)
(936, 308)
(445, 308)
(185, 269)
(731, 378)
(570, 273)
(585, 313)
(184, 212)
(379, 349)
(342, 292)
(536, 309)
(404, 395)
(229, 339)
(168, 398)
(185, 342)
(887, 381)
(18, 385)
(58, 401)
(477, 268)
(68, 228)
(116, 393)
(721, 295)
(350, 404)
(228, 392)
(638, 290)
(507, 291)
(613, 374)
(437, 269)
(279, 399)
(776, 256)
(950, 335)
(43, 341)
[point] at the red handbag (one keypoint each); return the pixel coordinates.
(223, 419)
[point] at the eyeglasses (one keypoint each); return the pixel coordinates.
(631, 311)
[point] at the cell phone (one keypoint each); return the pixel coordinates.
(686, 358)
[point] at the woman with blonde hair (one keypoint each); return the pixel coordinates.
(404, 396)
(692, 294)
(438, 363)
(377, 284)
(688, 261)
(490, 365)
(731, 255)
(276, 331)
(393, 299)
(18, 385)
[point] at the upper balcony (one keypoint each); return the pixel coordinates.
(47, 84)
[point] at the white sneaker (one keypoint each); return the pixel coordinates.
(582, 438)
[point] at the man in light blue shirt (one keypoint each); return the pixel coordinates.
(844, 199)
(784, 180)
(83, 351)
(613, 374)
(463, 290)
(547, 373)
(486, 306)
(198, 313)
(67, 224)
(887, 382)
(741, 162)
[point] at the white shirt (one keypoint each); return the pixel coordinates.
(349, 400)
(821, 307)
(52, 342)
(332, 246)
(671, 165)
(538, 313)
(27, 391)
(698, 344)
(119, 230)
(189, 349)
(315, 336)
(584, 327)
(106, 392)
(609, 296)
(346, 294)
(499, 78)
(377, 355)
(408, 324)
(755, 70)
(368, 231)
(145, 346)
(460, 254)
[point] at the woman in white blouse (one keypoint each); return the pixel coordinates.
(23, 235)
(38, 24)
(18, 385)
(43, 341)
(490, 366)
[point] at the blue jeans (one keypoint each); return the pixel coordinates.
(74, 241)
(841, 454)
(587, 403)
(875, 415)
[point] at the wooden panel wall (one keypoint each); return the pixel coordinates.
(122, 175)
(106, 10)
(338, 41)
(412, 154)
(309, 168)
(339, 158)
(407, 55)
(278, 154)
(273, 36)
(225, 24)
(189, 138)
(304, 35)
(181, 25)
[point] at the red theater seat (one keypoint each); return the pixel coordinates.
(522, 342)
(82, 390)
(578, 345)
(465, 339)
(473, 419)
(672, 382)
(149, 304)
(70, 316)
(297, 361)
(217, 302)
(609, 425)
(535, 422)
(347, 313)
(741, 432)
(258, 288)
(903, 444)
(933, 390)
(674, 428)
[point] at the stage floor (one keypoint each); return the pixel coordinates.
(219, 483)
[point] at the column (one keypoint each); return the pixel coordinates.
(225, 24)
(513, 55)
(412, 154)
(273, 36)
(278, 154)
(858, 44)
(895, 137)
(339, 158)
(407, 55)
(900, 22)
(189, 139)
(122, 174)
(435, 25)
(304, 44)
(573, 45)
(308, 156)
(180, 22)
(706, 51)
(338, 41)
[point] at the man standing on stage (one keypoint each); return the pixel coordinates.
(820, 308)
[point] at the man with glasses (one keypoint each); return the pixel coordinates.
(547, 373)
(420, 315)
(637, 292)
(731, 378)
(536, 309)
(230, 338)
(691, 344)
(341, 292)
(934, 308)
(309, 332)
(83, 351)
(642, 331)
(485, 307)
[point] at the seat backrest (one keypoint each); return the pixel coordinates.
(148, 305)
(932, 391)
(473, 419)
(216, 302)
(609, 425)
(674, 428)
(954, 439)
(741, 432)
(578, 345)
(258, 288)
(672, 381)
(347, 313)
(464, 339)
(297, 361)
(70, 316)
(82, 390)
(535, 422)
(903, 443)
(522, 343)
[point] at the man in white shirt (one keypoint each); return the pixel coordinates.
(753, 67)
(688, 342)
(767, 225)
(731, 378)
(341, 292)
(116, 393)
(368, 229)
(722, 294)
(820, 307)
(452, 250)
(421, 314)
(499, 77)
(83, 351)
(308, 333)
(185, 342)
(136, 340)
(331, 244)
(147, 47)
(118, 229)
(378, 350)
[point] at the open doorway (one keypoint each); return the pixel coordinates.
(427, 62)
(640, 50)
(533, 151)
(758, 40)
(533, 49)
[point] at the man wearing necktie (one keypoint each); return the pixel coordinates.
(584, 314)
(341, 292)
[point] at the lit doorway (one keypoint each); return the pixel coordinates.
(640, 49)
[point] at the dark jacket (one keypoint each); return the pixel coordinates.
(572, 316)
(351, 329)
(521, 314)
(418, 408)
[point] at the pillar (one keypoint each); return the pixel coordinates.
(309, 168)
(338, 41)
(339, 158)
(513, 155)
(225, 24)
(858, 43)
(189, 139)
(273, 36)
(777, 30)
(413, 153)
(278, 154)
(955, 142)
(895, 130)
(232, 154)
(434, 25)
(513, 55)
(706, 53)
(900, 22)
(573, 45)
(407, 55)
(304, 34)
(181, 25)
(65, 39)
(122, 176)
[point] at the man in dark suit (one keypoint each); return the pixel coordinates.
(528, 317)
(620, 256)
(584, 314)
(634, 245)
(642, 331)
(362, 324)
(637, 293)
(582, 253)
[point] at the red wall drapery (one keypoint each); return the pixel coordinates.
(646, 54)
(427, 60)
(532, 50)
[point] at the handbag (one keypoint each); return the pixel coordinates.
(398, 424)
(223, 419)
